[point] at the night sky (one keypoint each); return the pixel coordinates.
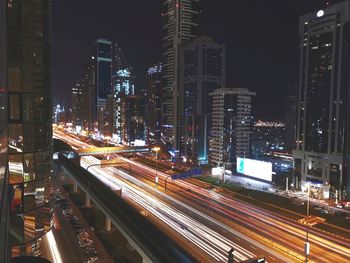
(261, 38)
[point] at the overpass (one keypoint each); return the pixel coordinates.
(149, 241)
(112, 150)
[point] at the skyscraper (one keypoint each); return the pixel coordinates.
(132, 119)
(89, 92)
(77, 104)
(203, 72)
(29, 137)
(290, 119)
(103, 68)
(4, 210)
(180, 26)
(153, 95)
(323, 133)
(231, 126)
(123, 83)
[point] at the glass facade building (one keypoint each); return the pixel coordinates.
(203, 72)
(29, 131)
(153, 97)
(180, 26)
(3, 134)
(323, 132)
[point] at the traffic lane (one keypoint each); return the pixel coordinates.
(248, 246)
(283, 237)
(194, 231)
(259, 213)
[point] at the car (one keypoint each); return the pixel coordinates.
(91, 253)
(85, 243)
(83, 234)
(91, 260)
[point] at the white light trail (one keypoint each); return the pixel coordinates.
(55, 253)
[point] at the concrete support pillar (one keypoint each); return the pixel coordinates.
(75, 188)
(87, 201)
(108, 225)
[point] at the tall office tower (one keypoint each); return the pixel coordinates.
(77, 104)
(132, 120)
(4, 214)
(103, 68)
(290, 118)
(29, 122)
(203, 72)
(232, 123)
(89, 84)
(153, 97)
(180, 27)
(323, 132)
(123, 85)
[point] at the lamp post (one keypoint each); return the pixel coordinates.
(307, 244)
(156, 149)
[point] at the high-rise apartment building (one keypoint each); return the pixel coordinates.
(180, 26)
(25, 125)
(153, 95)
(232, 123)
(323, 132)
(203, 72)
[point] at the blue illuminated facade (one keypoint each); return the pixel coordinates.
(103, 67)
(123, 85)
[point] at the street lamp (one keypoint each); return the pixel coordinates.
(156, 149)
(307, 244)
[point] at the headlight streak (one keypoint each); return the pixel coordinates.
(208, 240)
(55, 253)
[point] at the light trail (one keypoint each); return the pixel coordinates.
(293, 229)
(55, 253)
(324, 247)
(203, 237)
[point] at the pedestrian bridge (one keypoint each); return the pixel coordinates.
(112, 150)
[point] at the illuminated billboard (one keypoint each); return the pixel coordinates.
(258, 169)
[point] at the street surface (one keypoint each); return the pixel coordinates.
(214, 223)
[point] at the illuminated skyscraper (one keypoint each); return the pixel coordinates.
(123, 82)
(153, 94)
(180, 26)
(103, 68)
(29, 118)
(232, 124)
(322, 155)
(203, 72)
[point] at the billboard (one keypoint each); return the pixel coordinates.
(258, 169)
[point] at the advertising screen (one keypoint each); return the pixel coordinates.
(258, 169)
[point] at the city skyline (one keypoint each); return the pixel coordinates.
(174, 131)
(257, 40)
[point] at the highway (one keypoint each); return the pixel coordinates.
(211, 213)
(283, 234)
(210, 242)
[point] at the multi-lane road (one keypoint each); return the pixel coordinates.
(209, 224)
